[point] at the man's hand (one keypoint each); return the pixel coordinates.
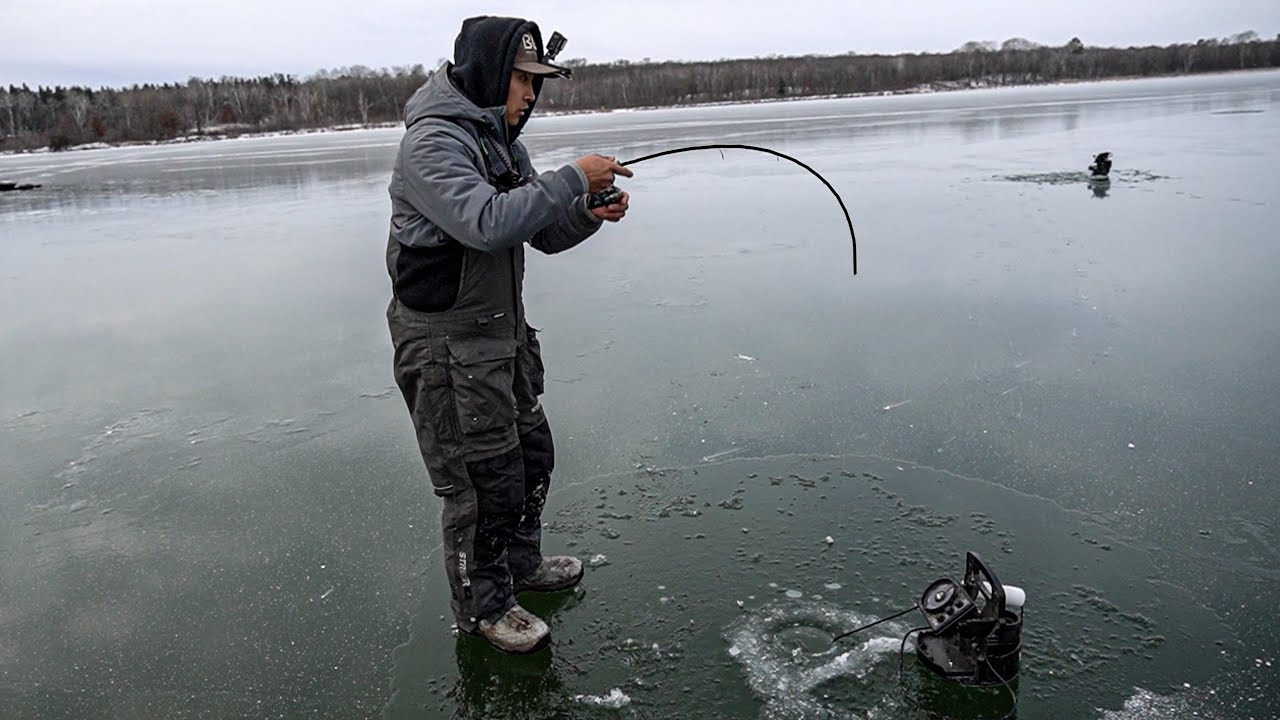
(600, 171)
(614, 212)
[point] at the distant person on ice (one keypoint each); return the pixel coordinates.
(464, 201)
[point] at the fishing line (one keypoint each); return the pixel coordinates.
(902, 649)
(1012, 695)
(872, 624)
(853, 239)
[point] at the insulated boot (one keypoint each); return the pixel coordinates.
(517, 632)
(558, 572)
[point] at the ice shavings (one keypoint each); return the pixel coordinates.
(614, 700)
(1146, 705)
(792, 682)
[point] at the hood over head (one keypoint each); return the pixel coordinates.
(486, 50)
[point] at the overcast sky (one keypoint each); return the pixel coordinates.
(121, 42)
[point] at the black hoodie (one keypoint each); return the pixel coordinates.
(483, 56)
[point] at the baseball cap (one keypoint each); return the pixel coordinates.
(527, 59)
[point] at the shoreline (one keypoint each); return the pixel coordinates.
(923, 89)
(935, 88)
(205, 138)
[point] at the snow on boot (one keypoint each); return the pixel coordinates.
(517, 632)
(558, 572)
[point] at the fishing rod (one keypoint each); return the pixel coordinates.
(852, 238)
(611, 195)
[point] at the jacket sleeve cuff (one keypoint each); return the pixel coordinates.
(585, 215)
(575, 177)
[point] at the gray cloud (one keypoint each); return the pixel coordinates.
(115, 42)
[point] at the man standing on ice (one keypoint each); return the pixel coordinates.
(464, 200)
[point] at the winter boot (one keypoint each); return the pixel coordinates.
(558, 572)
(517, 632)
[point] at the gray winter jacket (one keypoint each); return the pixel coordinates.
(440, 187)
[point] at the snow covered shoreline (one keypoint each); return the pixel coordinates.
(923, 89)
(215, 137)
(919, 90)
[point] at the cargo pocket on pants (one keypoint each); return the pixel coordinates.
(482, 371)
(531, 360)
(436, 422)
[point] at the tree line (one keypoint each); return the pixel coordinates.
(61, 117)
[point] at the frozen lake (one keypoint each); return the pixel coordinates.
(214, 507)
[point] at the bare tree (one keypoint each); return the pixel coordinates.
(7, 101)
(78, 105)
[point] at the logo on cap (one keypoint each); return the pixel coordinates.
(527, 59)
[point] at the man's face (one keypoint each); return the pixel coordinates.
(519, 95)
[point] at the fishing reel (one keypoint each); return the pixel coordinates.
(607, 196)
(974, 634)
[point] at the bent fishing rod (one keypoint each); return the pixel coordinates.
(852, 238)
